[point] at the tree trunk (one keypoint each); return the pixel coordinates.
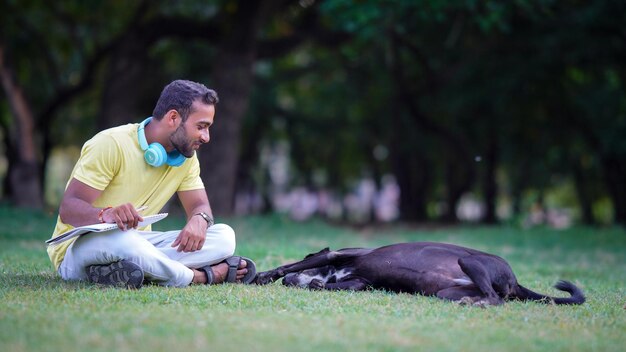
(24, 180)
(615, 178)
(232, 78)
(585, 198)
(460, 169)
(411, 169)
(519, 176)
(455, 188)
(490, 186)
(124, 84)
(413, 177)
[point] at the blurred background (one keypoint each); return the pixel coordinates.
(359, 112)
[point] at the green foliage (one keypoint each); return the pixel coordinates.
(40, 312)
(57, 39)
(520, 71)
(541, 82)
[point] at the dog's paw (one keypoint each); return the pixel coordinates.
(465, 301)
(264, 278)
(485, 302)
(481, 303)
(316, 284)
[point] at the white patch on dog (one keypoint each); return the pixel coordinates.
(342, 273)
(465, 281)
(304, 280)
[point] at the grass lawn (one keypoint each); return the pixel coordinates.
(40, 312)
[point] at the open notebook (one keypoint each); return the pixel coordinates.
(81, 230)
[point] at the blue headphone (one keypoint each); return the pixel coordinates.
(154, 154)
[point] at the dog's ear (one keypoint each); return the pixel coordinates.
(325, 250)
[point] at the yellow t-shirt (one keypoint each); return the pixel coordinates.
(112, 161)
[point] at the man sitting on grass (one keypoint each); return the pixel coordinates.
(125, 167)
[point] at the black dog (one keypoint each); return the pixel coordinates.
(450, 272)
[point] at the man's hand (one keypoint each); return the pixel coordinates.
(192, 236)
(125, 216)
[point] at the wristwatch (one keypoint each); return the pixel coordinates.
(206, 217)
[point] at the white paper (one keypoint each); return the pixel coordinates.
(77, 231)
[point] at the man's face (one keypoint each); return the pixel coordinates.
(194, 132)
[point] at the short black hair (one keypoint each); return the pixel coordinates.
(180, 95)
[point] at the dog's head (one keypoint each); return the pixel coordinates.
(303, 278)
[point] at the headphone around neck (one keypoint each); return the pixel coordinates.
(155, 154)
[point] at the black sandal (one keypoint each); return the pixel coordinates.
(233, 265)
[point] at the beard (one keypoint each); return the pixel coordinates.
(181, 143)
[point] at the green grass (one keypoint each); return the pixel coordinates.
(40, 312)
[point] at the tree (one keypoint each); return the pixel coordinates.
(69, 68)
(533, 90)
(24, 181)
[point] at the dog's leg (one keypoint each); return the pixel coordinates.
(322, 258)
(474, 266)
(352, 285)
(461, 294)
(317, 260)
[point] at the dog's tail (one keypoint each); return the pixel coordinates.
(576, 294)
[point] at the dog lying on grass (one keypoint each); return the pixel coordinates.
(444, 270)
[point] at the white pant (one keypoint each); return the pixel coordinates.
(151, 250)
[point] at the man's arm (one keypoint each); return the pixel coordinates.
(76, 208)
(193, 235)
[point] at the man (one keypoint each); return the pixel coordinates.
(142, 165)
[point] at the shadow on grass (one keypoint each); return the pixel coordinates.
(39, 281)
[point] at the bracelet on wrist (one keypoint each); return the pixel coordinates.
(101, 213)
(206, 217)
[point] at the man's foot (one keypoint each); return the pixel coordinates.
(120, 274)
(220, 271)
(233, 269)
